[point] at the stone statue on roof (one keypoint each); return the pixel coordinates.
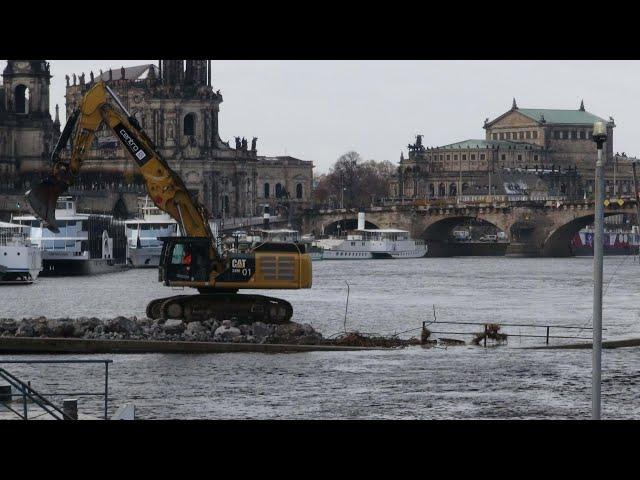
(74, 78)
(122, 73)
(66, 77)
(254, 144)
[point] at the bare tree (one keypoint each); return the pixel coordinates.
(353, 182)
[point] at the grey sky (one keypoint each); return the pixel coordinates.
(318, 110)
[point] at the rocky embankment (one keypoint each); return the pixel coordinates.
(124, 328)
(132, 328)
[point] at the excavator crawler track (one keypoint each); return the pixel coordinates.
(154, 310)
(222, 306)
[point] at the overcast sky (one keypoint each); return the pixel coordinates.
(317, 110)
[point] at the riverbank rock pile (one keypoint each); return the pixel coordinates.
(356, 339)
(132, 328)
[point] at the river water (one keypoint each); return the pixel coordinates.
(385, 296)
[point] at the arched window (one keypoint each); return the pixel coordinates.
(452, 190)
(299, 190)
(22, 99)
(226, 205)
(138, 117)
(278, 190)
(266, 190)
(189, 127)
(442, 190)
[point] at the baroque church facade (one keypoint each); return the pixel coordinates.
(176, 105)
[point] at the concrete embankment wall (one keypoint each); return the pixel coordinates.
(631, 342)
(78, 345)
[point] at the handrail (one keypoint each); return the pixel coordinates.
(40, 400)
(33, 395)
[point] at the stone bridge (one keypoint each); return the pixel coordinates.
(532, 229)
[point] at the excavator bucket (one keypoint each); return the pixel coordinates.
(43, 198)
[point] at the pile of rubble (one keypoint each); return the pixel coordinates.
(124, 328)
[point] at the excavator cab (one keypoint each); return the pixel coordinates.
(185, 259)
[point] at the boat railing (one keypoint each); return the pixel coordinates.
(12, 236)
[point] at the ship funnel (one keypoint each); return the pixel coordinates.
(42, 199)
(360, 220)
(265, 218)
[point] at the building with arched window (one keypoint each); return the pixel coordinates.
(176, 105)
(551, 142)
(27, 131)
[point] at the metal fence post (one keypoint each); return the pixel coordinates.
(600, 137)
(24, 402)
(547, 334)
(106, 388)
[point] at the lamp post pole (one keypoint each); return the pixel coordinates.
(599, 136)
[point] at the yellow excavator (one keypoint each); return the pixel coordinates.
(193, 260)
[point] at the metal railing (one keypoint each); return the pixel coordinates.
(485, 326)
(40, 399)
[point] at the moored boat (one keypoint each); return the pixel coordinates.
(85, 244)
(372, 243)
(20, 261)
(143, 246)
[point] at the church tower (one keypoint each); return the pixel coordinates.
(172, 71)
(26, 86)
(198, 72)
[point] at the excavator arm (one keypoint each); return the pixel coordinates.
(217, 278)
(165, 187)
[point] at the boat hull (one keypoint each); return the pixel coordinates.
(19, 264)
(93, 266)
(368, 255)
(144, 257)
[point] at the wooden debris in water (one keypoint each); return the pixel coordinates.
(492, 332)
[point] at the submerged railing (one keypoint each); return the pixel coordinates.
(487, 325)
(29, 394)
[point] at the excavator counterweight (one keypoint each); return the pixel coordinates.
(192, 260)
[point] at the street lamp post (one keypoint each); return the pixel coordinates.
(599, 136)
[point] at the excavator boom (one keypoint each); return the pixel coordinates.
(165, 187)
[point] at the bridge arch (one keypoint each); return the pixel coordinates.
(558, 242)
(438, 234)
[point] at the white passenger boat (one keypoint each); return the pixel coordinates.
(143, 246)
(20, 261)
(83, 245)
(373, 243)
